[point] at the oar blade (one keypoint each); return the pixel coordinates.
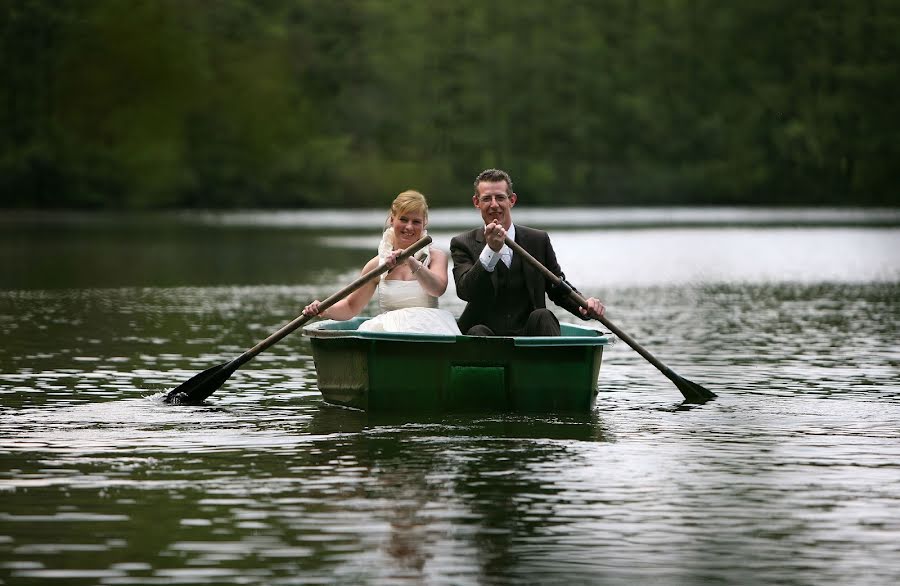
(196, 389)
(693, 393)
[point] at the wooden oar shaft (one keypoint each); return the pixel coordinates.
(199, 387)
(331, 300)
(555, 279)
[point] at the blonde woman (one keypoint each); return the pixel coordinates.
(408, 292)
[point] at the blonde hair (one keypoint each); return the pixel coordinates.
(408, 201)
(405, 203)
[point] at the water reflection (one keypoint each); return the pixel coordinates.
(789, 477)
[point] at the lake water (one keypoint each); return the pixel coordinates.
(791, 476)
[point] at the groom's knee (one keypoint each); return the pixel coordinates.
(480, 330)
(542, 322)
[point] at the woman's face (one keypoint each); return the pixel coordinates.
(407, 228)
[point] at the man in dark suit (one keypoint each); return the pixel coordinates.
(505, 295)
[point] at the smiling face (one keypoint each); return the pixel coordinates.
(407, 227)
(495, 200)
(408, 217)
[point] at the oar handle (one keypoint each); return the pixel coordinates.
(302, 318)
(556, 280)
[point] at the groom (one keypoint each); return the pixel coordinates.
(505, 295)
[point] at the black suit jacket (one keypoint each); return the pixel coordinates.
(478, 287)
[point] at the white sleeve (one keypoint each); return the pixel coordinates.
(489, 259)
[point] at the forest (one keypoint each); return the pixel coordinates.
(173, 104)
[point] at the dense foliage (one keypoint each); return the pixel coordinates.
(262, 103)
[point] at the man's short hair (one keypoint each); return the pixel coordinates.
(492, 175)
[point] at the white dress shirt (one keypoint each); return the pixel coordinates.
(489, 258)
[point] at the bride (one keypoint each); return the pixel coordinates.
(408, 292)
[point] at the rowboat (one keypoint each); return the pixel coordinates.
(382, 372)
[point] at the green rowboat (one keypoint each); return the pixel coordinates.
(393, 372)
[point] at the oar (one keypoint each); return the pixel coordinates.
(199, 387)
(693, 393)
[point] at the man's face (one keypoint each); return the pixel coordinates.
(495, 202)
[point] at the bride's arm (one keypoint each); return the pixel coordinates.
(432, 278)
(352, 304)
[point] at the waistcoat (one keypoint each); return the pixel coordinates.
(512, 303)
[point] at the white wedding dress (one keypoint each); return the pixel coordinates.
(407, 308)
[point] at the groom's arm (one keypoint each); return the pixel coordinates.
(471, 278)
(560, 294)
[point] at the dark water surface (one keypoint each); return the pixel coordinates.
(792, 476)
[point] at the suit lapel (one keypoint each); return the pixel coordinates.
(478, 237)
(477, 248)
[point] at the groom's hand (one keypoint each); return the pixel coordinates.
(494, 235)
(594, 309)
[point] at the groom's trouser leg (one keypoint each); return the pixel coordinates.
(541, 322)
(480, 330)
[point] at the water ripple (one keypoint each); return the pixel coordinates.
(791, 476)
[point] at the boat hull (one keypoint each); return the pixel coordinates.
(387, 372)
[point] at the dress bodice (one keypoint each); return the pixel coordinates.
(406, 307)
(395, 294)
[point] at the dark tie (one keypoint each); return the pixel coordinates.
(502, 274)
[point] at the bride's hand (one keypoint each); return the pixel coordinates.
(415, 265)
(391, 259)
(312, 309)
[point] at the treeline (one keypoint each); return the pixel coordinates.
(291, 103)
